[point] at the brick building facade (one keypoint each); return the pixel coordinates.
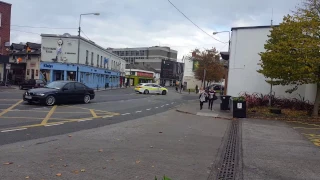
(5, 19)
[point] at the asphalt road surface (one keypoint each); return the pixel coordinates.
(20, 121)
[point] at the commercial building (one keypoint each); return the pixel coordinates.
(171, 73)
(5, 24)
(246, 44)
(146, 56)
(136, 74)
(96, 67)
(24, 60)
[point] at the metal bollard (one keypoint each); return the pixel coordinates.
(189, 91)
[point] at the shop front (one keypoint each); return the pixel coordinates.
(90, 76)
(140, 77)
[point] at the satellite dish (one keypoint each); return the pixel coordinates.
(66, 35)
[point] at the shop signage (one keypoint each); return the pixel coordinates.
(49, 49)
(70, 53)
(48, 66)
(33, 64)
(144, 74)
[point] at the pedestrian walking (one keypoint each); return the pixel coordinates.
(212, 97)
(197, 89)
(202, 98)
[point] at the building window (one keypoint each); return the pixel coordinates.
(101, 62)
(87, 58)
(121, 53)
(98, 60)
(141, 53)
(127, 53)
(91, 58)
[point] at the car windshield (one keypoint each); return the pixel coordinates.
(55, 85)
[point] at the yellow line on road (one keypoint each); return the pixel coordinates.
(45, 120)
(304, 128)
(93, 113)
(28, 111)
(10, 108)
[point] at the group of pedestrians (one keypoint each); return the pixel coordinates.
(209, 97)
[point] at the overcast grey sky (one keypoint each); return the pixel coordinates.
(133, 23)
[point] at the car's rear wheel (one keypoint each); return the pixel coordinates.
(50, 100)
(164, 92)
(146, 91)
(86, 99)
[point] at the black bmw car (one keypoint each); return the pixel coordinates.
(60, 92)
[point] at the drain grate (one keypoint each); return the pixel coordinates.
(227, 168)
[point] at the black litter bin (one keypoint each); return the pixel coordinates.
(239, 109)
(224, 105)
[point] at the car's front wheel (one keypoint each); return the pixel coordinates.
(86, 99)
(164, 92)
(146, 91)
(50, 100)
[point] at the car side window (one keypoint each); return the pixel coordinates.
(80, 86)
(154, 85)
(69, 86)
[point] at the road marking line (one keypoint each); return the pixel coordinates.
(107, 116)
(10, 108)
(162, 105)
(172, 102)
(125, 114)
(93, 113)
(84, 120)
(48, 125)
(9, 130)
(138, 111)
(148, 109)
(13, 110)
(167, 104)
(156, 107)
(45, 120)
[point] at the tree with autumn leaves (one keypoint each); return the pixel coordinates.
(208, 60)
(292, 55)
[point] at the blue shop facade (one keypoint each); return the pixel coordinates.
(91, 76)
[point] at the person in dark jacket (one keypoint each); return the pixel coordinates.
(211, 96)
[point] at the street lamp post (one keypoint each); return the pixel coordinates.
(229, 42)
(79, 32)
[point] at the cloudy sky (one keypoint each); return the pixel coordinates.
(141, 23)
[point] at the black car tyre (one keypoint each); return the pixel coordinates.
(164, 92)
(86, 99)
(50, 100)
(146, 91)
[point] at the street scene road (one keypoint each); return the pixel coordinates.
(19, 118)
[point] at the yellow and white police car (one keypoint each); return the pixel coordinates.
(150, 88)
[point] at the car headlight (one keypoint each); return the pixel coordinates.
(39, 94)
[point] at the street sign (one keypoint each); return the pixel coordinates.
(8, 66)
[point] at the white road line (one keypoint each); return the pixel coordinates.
(167, 104)
(48, 125)
(156, 107)
(162, 105)
(125, 114)
(172, 102)
(138, 111)
(10, 130)
(148, 109)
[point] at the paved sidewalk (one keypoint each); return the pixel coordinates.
(193, 107)
(171, 143)
(274, 150)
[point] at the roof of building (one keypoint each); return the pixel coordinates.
(5, 3)
(252, 27)
(141, 67)
(133, 48)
